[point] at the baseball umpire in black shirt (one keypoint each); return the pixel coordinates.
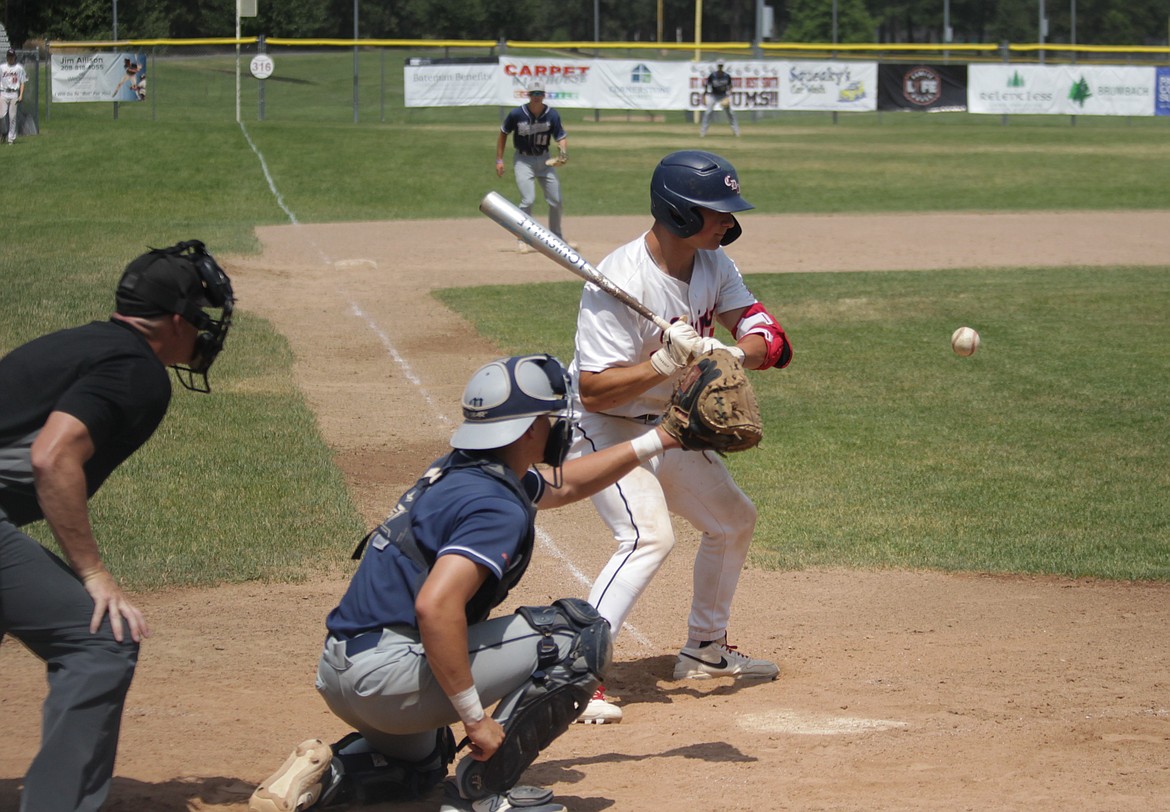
(74, 405)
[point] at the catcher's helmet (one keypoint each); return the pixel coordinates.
(503, 398)
(688, 180)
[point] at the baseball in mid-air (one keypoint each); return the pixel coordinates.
(964, 341)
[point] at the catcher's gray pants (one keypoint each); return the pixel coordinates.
(530, 170)
(44, 605)
(712, 103)
(389, 694)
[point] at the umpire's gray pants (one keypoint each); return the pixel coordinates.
(530, 170)
(44, 605)
(390, 695)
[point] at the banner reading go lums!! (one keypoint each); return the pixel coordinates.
(101, 77)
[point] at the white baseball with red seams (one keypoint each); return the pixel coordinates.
(964, 341)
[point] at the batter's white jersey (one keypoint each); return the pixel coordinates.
(609, 334)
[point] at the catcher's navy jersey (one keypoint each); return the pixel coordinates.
(531, 135)
(467, 513)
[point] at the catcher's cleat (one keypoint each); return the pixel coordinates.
(600, 711)
(717, 659)
(529, 799)
(297, 784)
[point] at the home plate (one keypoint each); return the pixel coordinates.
(811, 724)
(355, 264)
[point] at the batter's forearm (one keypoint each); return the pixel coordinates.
(602, 391)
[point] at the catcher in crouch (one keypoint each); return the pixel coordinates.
(625, 370)
(410, 648)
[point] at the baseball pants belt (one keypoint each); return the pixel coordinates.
(363, 642)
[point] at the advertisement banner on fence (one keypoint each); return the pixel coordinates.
(449, 82)
(101, 77)
(754, 85)
(841, 86)
(939, 88)
(1162, 88)
(622, 84)
(566, 81)
(1070, 90)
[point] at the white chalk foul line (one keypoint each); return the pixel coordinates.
(546, 541)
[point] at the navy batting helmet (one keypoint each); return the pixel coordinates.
(691, 179)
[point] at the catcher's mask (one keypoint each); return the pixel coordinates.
(503, 398)
(683, 182)
(182, 279)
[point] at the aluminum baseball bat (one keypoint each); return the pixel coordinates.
(509, 215)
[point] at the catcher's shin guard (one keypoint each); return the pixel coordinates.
(545, 706)
(361, 775)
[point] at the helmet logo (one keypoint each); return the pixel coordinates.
(731, 183)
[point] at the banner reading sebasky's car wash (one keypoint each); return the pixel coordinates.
(843, 86)
(101, 77)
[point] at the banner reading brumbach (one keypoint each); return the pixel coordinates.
(922, 87)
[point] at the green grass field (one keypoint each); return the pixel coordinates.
(1044, 453)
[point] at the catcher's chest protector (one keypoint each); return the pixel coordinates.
(396, 531)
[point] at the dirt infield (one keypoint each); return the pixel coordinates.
(897, 691)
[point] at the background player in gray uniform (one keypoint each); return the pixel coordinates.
(625, 369)
(717, 89)
(534, 127)
(411, 649)
(74, 405)
(12, 81)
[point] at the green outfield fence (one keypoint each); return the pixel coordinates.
(361, 80)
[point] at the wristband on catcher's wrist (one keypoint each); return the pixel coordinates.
(648, 446)
(467, 705)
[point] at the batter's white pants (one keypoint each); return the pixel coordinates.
(691, 484)
(531, 170)
(9, 108)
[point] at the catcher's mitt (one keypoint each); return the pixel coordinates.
(560, 160)
(714, 407)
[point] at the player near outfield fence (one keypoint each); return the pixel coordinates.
(717, 91)
(624, 375)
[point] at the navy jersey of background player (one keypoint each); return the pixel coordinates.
(531, 134)
(719, 82)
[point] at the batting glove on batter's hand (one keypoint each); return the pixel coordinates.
(680, 343)
(707, 345)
